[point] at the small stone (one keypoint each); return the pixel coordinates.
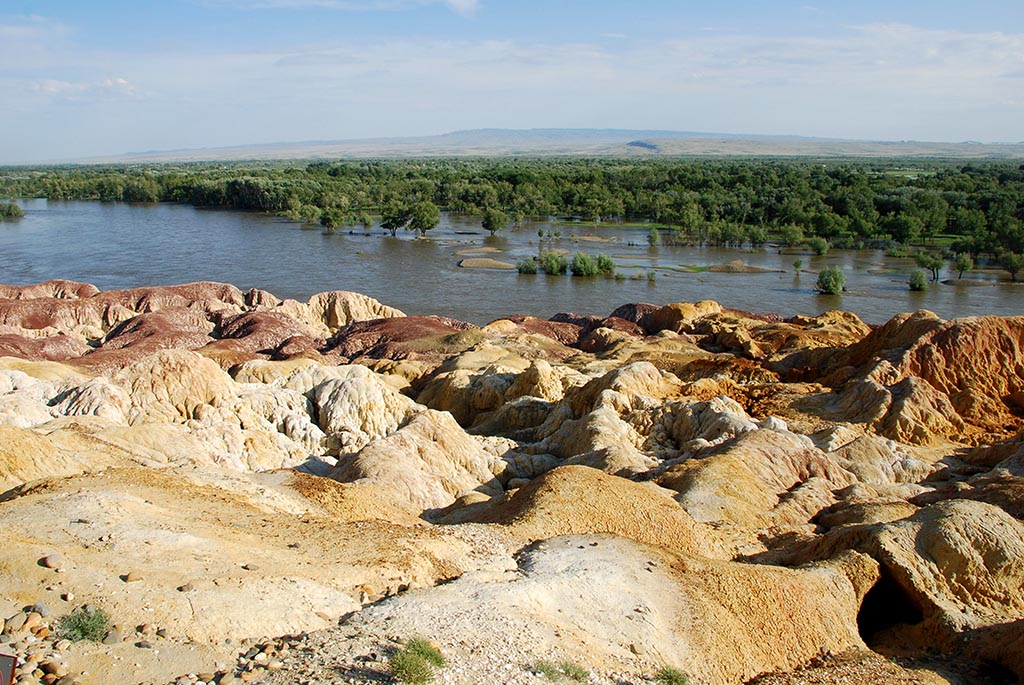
(68, 596)
(67, 680)
(61, 645)
(227, 679)
(250, 567)
(53, 561)
(32, 620)
(144, 644)
(639, 650)
(187, 587)
(206, 677)
(275, 666)
(53, 668)
(113, 637)
(15, 623)
(132, 577)
(41, 609)
(161, 632)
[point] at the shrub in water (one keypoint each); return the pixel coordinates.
(819, 246)
(583, 265)
(605, 265)
(553, 263)
(831, 281)
(527, 266)
(918, 281)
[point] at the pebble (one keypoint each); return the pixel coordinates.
(53, 561)
(113, 637)
(132, 577)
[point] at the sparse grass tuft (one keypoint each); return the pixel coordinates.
(84, 623)
(573, 670)
(414, 663)
(547, 669)
(426, 650)
(410, 668)
(669, 675)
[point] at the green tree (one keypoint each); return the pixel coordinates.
(9, 210)
(394, 217)
(1012, 263)
(818, 245)
(791, 235)
(494, 220)
(932, 262)
(653, 237)
(424, 216)
(332, 218)
(963, 263)
(831, 281)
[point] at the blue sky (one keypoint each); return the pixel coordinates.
(105, 77)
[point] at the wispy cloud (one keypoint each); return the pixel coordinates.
(465, 7)
(104, 88)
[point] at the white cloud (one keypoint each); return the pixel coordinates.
(875, 82)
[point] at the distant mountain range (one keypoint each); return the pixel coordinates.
(581, 142)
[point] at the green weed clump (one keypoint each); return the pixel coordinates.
(669, 675)
(547, 669)
(415, 662)
(574, 671)
(426, 650)
(563, 669)
(84, 623)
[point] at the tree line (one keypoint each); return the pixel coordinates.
(977, 208)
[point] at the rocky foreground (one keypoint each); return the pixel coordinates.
(257, 490)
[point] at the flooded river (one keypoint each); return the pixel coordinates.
(121, 246)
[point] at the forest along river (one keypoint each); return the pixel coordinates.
(122, 245)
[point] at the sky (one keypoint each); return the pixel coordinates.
(106, 77)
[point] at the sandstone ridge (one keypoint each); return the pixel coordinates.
(275, 491)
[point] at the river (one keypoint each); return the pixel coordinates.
(122, 245)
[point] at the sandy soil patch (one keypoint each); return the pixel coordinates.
(738, 266)
(486, 263)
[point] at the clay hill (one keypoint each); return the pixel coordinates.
(257, 490)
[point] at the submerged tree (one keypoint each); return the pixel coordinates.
(932, 262)
(1013, 263)
(424, 216)
(963, 263)
(494, 220)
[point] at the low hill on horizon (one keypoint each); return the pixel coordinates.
(577, 142)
